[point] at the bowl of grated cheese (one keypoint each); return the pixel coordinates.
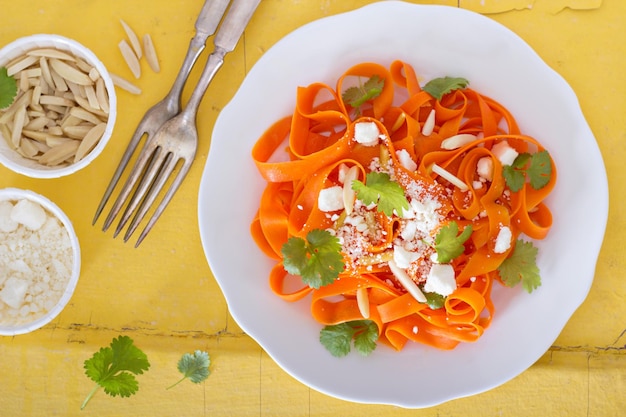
(64, 109)
(39, 261)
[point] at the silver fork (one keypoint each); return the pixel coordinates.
(177, 139)
(206, 24)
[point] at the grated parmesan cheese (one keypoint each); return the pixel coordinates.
(35, 261)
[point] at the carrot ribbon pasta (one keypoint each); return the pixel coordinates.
(462, 183)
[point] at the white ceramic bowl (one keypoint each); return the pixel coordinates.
(16, 162)
(10, 322)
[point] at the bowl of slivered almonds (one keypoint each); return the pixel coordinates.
(64, 108)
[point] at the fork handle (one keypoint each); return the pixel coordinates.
(206, 24)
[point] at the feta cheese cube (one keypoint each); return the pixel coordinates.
(484, 168)
(402, 257)
(330, 199)
(503, 240)
(366, 133)
(441, 279)
(504, 152)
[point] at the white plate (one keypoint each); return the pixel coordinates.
(497, 63)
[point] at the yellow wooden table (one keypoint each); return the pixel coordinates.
(163, 294)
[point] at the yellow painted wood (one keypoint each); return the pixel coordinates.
(164, 296)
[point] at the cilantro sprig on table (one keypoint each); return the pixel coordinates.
(449, 243)
(439, 87)
(381, 190)
(8, 88)
(358, 95)
(338, 338)
(521, 267)
(194, 367)
(114, 368)
(318, 259)
(536, 167)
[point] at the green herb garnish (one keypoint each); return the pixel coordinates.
(381, 190)
(434, 300)
(358, 95)
(8, 88)
(317, 260)
(338, 338)
(521, 266)
(114, 368)
(194, 367)
(449, 243)
(439, 87)
(537, 167)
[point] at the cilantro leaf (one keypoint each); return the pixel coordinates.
(540, 170)
(514, 178)
(521, 266)
(114, 368)
(434, 300)
(337, 338)
(194, 367)
(381, 190)
(536, 167)
(357, 96)
(439, 87)
(318, 260)
(448, 242)
(8, 88)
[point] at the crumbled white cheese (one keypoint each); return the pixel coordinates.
(484, 168)
(405, 159)
(35, 261)
(504, 152)
(330, 199)
(403, 258)
(366, 133)
(441, 279)
(503, 240)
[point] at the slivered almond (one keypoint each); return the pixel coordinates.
(85, 115)
(399, 122)
(83, 66)
(51, 53)
(56, 101)
(406, 281)
(429, 124)
(349, 195)
(90, 92)
(54, 141)
(133, 39)
(18, 125)
(70, 73)
(27, 146)
(77, 132)
(5, 132)
(102, 95)
(45, 72)
(36, 135)
(130, 58)
(363, 302)
(456, 141)
(22, 64)
(37, 123)
(58, 82)
(94, 74)
(58, 154)
(89, 141)
(456, 181)
(151, 55)
(125, 84)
